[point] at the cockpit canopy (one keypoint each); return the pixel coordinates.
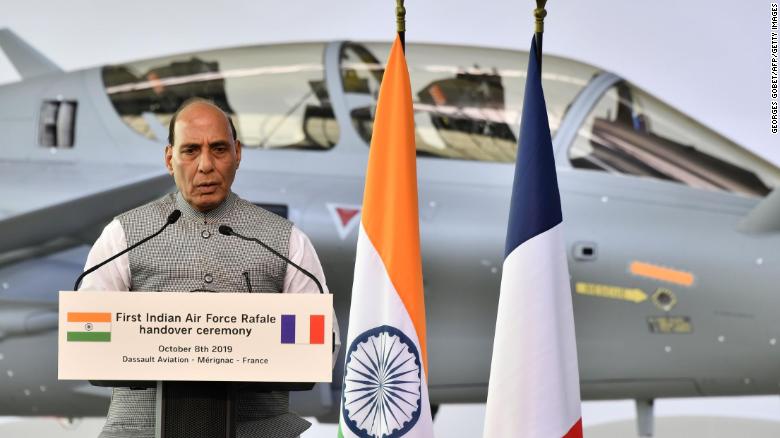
(275, 94)
(467, 103)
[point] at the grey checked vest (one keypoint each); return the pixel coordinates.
(191, 255)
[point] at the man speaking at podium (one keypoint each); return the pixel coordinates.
(203, 155)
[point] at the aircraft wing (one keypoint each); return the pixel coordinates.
(765, 217)
(46, 201)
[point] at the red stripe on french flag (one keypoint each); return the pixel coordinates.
(575, 431)
(317, 329)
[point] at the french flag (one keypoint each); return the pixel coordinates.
(534, 386)
(308, 329)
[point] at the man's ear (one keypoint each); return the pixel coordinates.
(238, 152)
(168, 158)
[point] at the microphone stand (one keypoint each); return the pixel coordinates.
(172, 218)
(228, 231)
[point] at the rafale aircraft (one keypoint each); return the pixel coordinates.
(672, 231)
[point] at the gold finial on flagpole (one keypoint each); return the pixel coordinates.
(400, 16)
(400, 21)
(540, 13)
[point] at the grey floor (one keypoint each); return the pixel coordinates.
(753, 417)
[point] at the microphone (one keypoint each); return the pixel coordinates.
(172, 218)
(227, 231)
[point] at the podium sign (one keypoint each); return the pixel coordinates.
(261, 337)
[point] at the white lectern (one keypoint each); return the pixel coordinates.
(200, 350)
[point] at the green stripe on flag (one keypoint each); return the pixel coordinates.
(89, 336)
(340, 435)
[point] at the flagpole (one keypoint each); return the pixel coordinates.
(400, 22)
(539, 13)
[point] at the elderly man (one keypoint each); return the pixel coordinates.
(203, 155)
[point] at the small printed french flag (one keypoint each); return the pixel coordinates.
(303, 330)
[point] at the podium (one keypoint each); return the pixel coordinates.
(200, 409)
(203, 352)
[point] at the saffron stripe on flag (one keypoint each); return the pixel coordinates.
(390, 215)
(89, 317)
(89, 336)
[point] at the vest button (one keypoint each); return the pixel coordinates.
(205, 234)
(208, 278)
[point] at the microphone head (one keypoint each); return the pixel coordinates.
(174, 216)
(226, 230)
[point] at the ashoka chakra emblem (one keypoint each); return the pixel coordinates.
(382, 384)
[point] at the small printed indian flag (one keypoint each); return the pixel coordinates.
(89, 327)
(297, 329)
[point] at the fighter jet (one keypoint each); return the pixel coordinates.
(671, 229)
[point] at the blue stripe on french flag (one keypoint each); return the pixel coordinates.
(536, 202)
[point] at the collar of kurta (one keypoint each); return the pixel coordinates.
(212, 216)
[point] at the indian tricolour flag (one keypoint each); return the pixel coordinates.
(89, 327)
(385, 389)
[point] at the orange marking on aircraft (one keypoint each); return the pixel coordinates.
(661, 273)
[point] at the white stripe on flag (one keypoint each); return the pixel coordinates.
(372, 289)
(88, 327)
(534, 356)
(302, 335)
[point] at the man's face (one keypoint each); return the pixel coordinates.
(204, 158)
